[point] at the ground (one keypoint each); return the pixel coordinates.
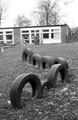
(59, 103)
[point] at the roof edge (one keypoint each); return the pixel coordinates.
(34, 26)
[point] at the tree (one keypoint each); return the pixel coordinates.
(3, 10)
(22, 21)
(48, 13)
(66, 2)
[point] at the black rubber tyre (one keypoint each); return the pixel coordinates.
(46, 62)
(46, 84)
(36, 60)
(55, 69)
(27, 53)
(60, 60)
(18, 85)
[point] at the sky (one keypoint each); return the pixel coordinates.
(27, 7)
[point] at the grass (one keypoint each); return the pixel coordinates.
(57, 104)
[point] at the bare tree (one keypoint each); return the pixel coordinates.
(3, 10)
(48, 12)
(22, 21)
(66, 2)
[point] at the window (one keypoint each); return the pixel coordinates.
(26, 31)
(8, 32)
(52, 30)
(32, 36)
(25, 37)
(52, 35)
(1, 37)
(57, 35)
(45, 30)
(9, 37)
(37, 34)
(57, 30)
(32, 41)
(45, 35)
(32, 30)
(37, 30)
(26, 41)
(1, 32)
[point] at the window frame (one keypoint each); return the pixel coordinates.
(46, 33)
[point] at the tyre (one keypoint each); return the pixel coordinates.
(46, 62)
(46, 85)
(53, 73)
(27, 54)
(36, 60)
(18, 85)
(60, 60)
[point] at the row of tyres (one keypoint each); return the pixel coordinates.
(43, 62)
(34, 81)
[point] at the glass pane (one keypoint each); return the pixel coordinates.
(32, 30)
(1, 37)
(9, 32)
(9, 37)
(26, 31)
(52, 35)
(46, 35)
(37, 35)
(45, 30)
(57, 35)
(37, 30)
(25, 36)
(1, 32)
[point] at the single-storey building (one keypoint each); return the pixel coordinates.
(45, 34)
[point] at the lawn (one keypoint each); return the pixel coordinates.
(59, 103)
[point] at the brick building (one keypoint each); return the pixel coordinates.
(45, 34)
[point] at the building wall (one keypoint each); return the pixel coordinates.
(17, 38)
(64, 33)
(46, 34)
(72, 36)
(76, 36)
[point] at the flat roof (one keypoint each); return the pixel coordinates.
(33, 26)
